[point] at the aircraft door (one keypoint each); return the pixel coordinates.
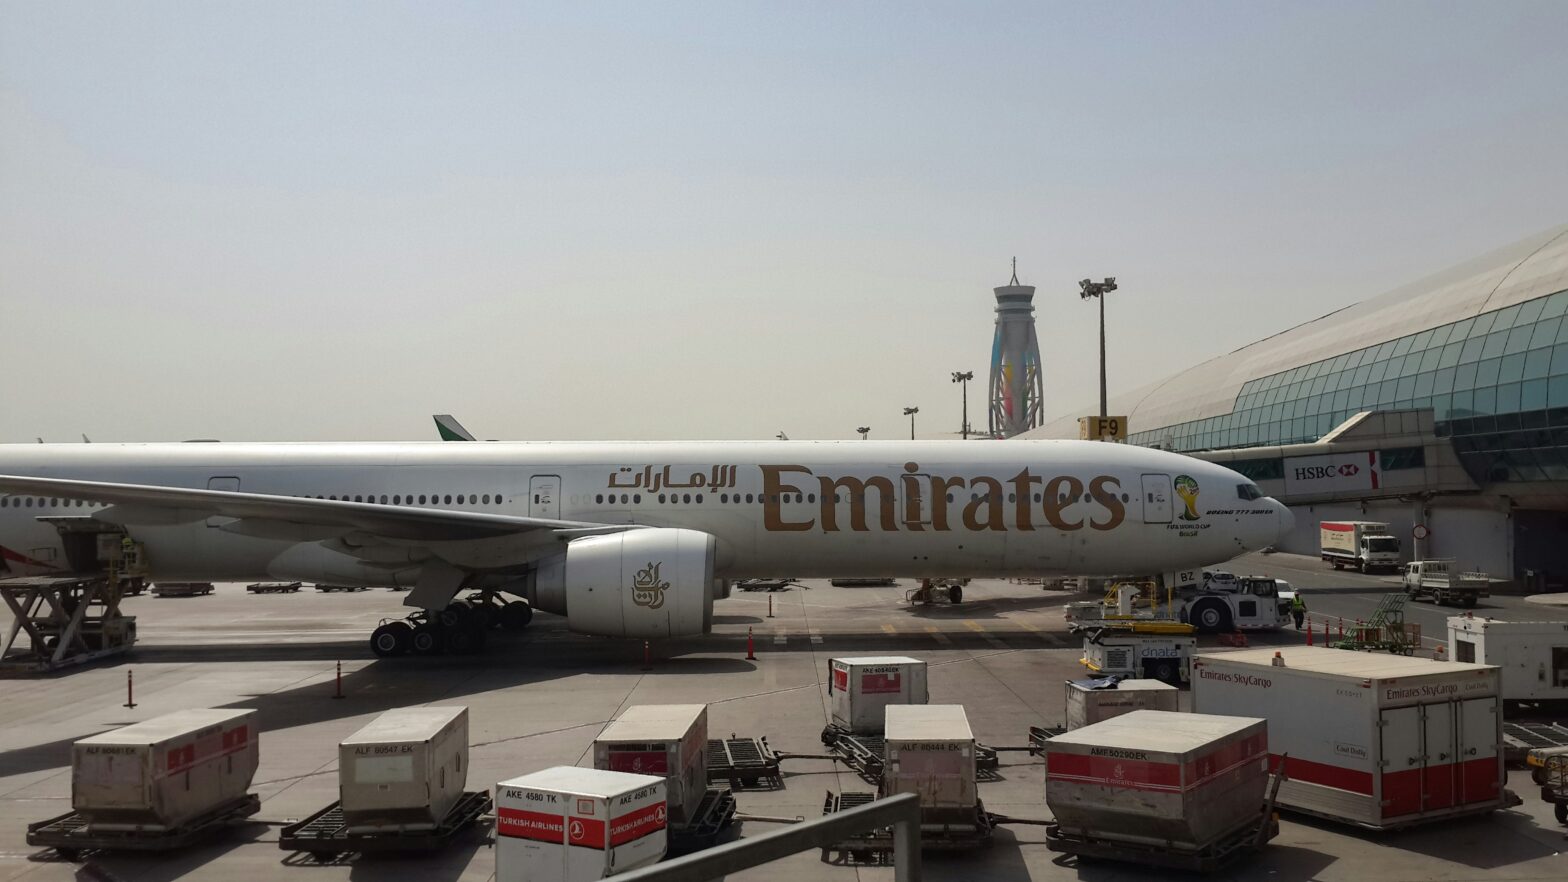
(1156, 499)
(544, 497)
(227, 484)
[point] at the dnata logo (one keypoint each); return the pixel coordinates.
(647, 588)
(1187, 489)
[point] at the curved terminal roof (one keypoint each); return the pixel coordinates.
(1533, 267)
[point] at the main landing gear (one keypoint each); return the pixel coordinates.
(460, 629)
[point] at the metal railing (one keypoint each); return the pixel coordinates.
(902, 812)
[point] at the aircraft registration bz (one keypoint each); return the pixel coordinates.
(569, 824)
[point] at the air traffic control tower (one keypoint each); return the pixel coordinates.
(1016, 385)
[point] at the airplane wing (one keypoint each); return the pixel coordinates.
(262, 514)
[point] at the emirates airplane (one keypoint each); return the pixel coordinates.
(623, 539)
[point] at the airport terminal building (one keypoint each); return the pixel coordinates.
(1441, 405)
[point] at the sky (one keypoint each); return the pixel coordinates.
(327, 221)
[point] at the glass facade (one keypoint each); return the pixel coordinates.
(1497, 383)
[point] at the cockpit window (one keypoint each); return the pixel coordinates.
(1248, 491)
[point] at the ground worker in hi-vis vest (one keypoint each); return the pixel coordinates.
(1298, 609)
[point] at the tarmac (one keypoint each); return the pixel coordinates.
(538, 699)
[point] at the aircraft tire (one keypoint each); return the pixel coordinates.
(516, 615)
(455, 614)
(956, 594)
(426, 639)
(487, 615)
(391, 640)
(1560, 811)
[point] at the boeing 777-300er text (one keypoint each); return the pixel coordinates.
(623, 539)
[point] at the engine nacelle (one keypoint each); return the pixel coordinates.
(648, 583)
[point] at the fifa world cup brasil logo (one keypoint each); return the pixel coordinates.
(1187, 489)
(647, 589)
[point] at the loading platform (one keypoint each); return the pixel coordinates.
(70, 834)
(65, 620)
(325, 835)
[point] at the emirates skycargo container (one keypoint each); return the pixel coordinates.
(568, 824)
(670, 740)
(1172, 780)
(1372, 739)
(162, 773)
(931, 752)
(859, 689)
(1094, 701)
(405, 770)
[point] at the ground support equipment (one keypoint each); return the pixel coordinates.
(67, 620)
(1216, 855)
(875, 847)
(1555, 790)
(746, 763)
(70, 835)
(274, 587)
(325, 834)
(1521, 738)
(1386, 630)
(1039, 735)
(866, 754)
(349, 588)
(765, 584)
(713, 818)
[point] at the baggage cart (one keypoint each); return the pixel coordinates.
(274, 587)
(72, 834)
(746, 763)
(181, 589)
(326, 835)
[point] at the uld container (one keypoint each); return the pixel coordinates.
(569, 824)
(859, 689)
(1532, 656)
(404, 770)
(1373, 739)
(670, 740)
(931, 752)
(1174, 780)
(160, 774)
(1094, 701)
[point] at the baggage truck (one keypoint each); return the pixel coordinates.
(1183, 782)
(568, 824)
(1444, 583)
(405, 770)
(931, 752)
(1360, 545)
(166, 772)
(1094, 701)
(860, 688)
(1379, 741)
(670, 740)
(1532, 656)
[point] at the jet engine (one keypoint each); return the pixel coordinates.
(648, 583)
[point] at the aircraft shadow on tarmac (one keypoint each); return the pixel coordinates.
(385, 684)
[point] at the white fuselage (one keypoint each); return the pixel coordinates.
(802, 509)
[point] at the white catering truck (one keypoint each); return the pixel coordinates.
(1361, 545)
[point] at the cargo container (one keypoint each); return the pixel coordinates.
(405, 770)
(1532, 656)
(1094, 701)
(931, 752)
(568, 824)
(1158, 778)
(670, 740)
(165, 772)
(1374, 740)
(859, 688)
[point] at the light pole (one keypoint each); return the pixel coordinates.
(964, 377)
(864, 431)
(1089, 289)
(910, 412)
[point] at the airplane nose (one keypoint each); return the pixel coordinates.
(1286, 519)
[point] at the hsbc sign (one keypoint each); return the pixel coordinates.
(1335, 473)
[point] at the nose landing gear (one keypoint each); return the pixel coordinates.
(460, 629)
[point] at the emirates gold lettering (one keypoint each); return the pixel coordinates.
(925, 504)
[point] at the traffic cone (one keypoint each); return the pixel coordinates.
(1309, 633)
